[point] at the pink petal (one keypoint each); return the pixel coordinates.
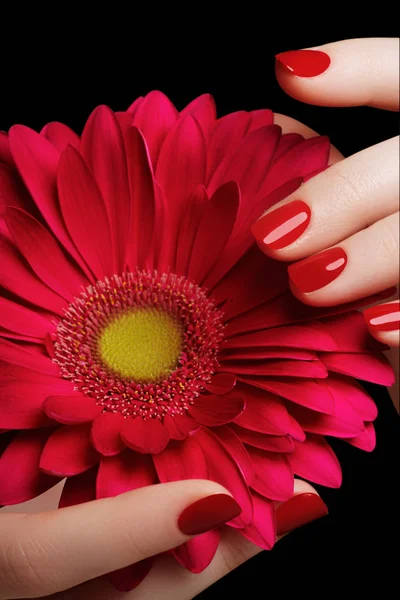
(338, 328)
(60, 135)
(123, 473)
(178, 426)
(279, 368)
(128, 578)
(5, 154)
(369, 367)
(343, 423)
(188, 229)
(260, 118)
(105, 433)
(273, 476)
(315, 460)
(146, 436)
(287, 141)
(264, 412)
(366, 440)
(258, 354)
(135, 105)
(19, 355)
(17, 277)
(69, 451)
(185, 460)
(224, 470)
(232, 443)
(217, 410)
(293, 336)
(262, 529)
(196, 554)
(23, 392)
(71, 410)
(203, 110)
(344, 387)
(309, 393)
(295, 431)
(37, 161)
(225, 139)
(13, 192)
(155, 116)
(44, 255)
(23, 320)
(79, 489)
(103, 149)
(180, 168)
(85, 213)
(143, 207)
(221, 383)
(214, 230)
(20, 478)
(272, 443)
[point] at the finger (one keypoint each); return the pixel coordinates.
(363, 264)
(383, 321)
(347, 73)
(333, 205)
(45, 553)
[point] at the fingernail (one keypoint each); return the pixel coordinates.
(298, 511)
(208, 513)
(385, 317)
(304, 63)
(282, 226)
(317, 271)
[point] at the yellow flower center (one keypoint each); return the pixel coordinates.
(144, 345)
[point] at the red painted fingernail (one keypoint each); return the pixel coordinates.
(298, 511)
(208, 513)
(317, 271)
(385, 317)
(282, 226)
(304, 63)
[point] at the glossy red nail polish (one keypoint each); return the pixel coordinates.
(385, 317)
(283, 225)
(304, 63)
(208, 513)
(317, 271)
(298, 511)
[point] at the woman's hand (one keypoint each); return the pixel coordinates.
(52, 551)
(340, 230)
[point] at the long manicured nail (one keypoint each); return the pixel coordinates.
(298, 511)
(385, 317)
(317, 271)
(282, 226)
(208, 513)
(304, 63)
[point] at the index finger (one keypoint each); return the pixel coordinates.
(348, 73)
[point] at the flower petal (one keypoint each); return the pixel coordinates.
(71, 410)
(287, 141)
(221, 383)
(23, 320)
(366, 440)
(145, 436)
(271, 443)
(17, 277)
(196, 554)
(217, 410)
(345, 387)
(273, 476)
(224, 470)
(188, 229)
(128, 578)
(225, 138)
(79, 489)
(238, 452)
(155, 116)
(44, 255)
(338, 327)
(69, 451)
(267, 353)
(204, 111)
(14, 193)
(105, 433)
(185, 460)
(262, 529)
(135, 105)
(315, 460)
(279, 368)
(264, 412)
(5, 154)
(102, 147)
(369, 367)
(20, 478)
(85, 213)
(123, 473)
(20, 356)
(179, 426)
(293, 336)
(60, 135)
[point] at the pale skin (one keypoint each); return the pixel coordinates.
(47, 553)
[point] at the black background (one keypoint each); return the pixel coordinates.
(61, 74)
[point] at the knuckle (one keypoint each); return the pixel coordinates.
(235, 553)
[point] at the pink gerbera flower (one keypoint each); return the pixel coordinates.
(144, 338)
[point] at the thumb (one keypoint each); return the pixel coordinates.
(49, 552)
